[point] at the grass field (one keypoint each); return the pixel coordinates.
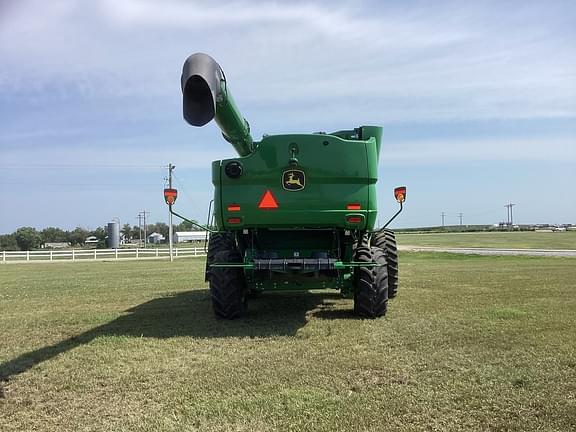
(471, 343)
(514, 240)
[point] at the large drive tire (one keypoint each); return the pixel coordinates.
(228, 286)
(371, 283)
(218, 242)
(386, 240)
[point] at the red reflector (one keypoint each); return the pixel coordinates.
(234, 221)
(233, 207)
(354, 219)
(353, 206)
(268, 201)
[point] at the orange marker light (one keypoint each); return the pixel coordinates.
(170, 196)
(268, 202)
(353, 206)
(400, 194)
(234, 207)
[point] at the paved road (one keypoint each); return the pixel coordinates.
(492, 251)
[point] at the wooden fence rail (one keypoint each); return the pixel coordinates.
(96, 254)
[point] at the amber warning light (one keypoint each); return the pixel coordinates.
(170, 196)
(400, 194)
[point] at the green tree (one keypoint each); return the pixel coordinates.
(127, 231)
(28, 238)
(78, 236)
(185, 226)
(52, 234)
(8, 242)
(136, 233)
(158, 227)
(100, 233)
(162, 228)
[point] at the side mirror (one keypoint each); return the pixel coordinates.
(400, 194)
(170, 196)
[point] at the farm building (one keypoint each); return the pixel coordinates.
(189, 236)
(156, 238)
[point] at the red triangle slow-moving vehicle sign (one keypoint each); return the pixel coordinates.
(268, 201)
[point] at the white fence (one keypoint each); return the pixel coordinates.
(96, 254)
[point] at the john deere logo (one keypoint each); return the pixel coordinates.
(293, 180)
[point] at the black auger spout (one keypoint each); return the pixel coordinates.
(206, 96)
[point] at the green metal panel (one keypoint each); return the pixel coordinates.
(337, 172)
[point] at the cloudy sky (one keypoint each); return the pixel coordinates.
(477, 100)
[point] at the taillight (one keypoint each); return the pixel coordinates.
(353, 206)
(354, 219)
(234, 207)
(234, 221)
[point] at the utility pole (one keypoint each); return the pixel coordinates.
(443, 215)
(139, 229)
(460, 215)
(142, 216)
(170, 227)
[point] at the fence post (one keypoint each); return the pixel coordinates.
(116, 253)
(50, 255)
(156, 252)
(73, 255)
(4, 256)
(176, 249)
(95, 253)
(27, 255)
(136, 252)
(195, 251)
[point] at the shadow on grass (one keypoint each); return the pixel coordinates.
(187, 314)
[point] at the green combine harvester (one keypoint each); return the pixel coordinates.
(293, 212)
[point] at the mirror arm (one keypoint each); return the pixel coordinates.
(392, 218)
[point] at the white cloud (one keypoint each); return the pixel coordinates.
(437, 61)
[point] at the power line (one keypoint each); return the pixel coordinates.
(62, 166)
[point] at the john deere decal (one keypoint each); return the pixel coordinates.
(293, 180)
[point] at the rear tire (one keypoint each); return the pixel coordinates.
(228, 286)
(218, 242)
(386, 240)
(371, 283)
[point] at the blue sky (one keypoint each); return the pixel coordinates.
(477, 100)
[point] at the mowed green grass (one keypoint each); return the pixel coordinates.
(471, 343)
(512, 240)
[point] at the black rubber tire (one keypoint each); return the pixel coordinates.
(228, 286)
(371, 284)
(218, 242)
(386, 240)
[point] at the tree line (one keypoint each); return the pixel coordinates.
(28, 238)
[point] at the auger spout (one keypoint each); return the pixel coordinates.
(206, 96)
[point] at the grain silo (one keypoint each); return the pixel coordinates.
(113, 235)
